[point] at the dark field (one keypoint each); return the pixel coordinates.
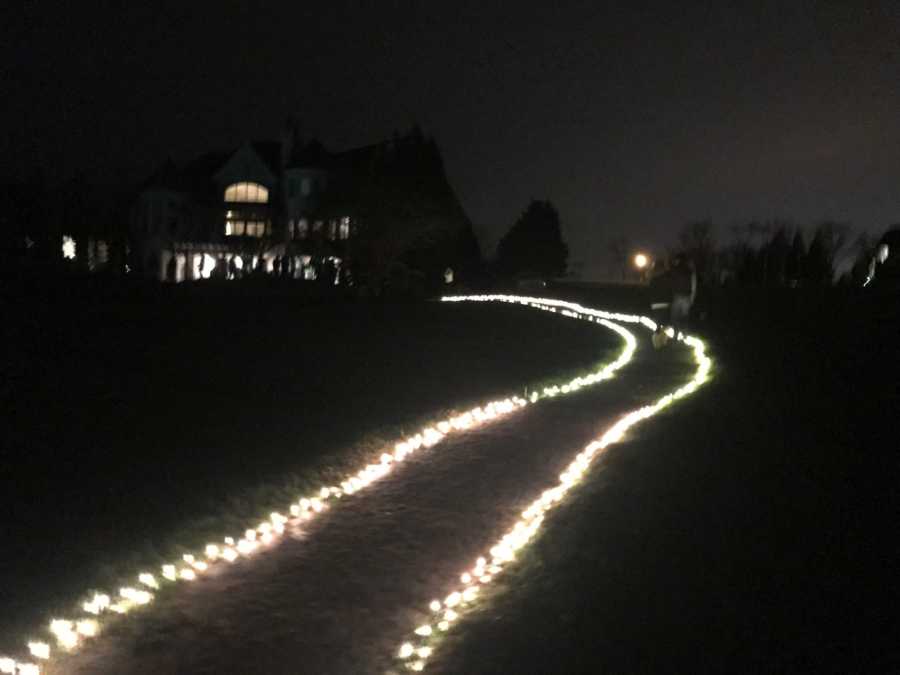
(145, 419)
(752, 528)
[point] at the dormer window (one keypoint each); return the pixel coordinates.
(247, 193)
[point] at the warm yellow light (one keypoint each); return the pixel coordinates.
(641, 261)
(384, 463)
(504, 551)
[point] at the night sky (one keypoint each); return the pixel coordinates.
(633, 120)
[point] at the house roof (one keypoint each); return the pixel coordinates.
(270, 153)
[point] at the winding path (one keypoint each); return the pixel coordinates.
(341, 592)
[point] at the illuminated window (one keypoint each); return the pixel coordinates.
(237, 225)
(302, 228)
(345, 228)
(68, 248)
(252, 193)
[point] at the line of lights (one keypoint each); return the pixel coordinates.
(414, 653)
(70, 634)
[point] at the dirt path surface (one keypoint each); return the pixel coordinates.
(337, 596)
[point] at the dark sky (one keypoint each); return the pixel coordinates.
(631, 118)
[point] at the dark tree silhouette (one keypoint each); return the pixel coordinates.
(776, 255)
(619, 249)
(534, 246)
(795, 258)
(864, 249)
(697, 242)
(827, 242)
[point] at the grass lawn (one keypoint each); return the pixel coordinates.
(140, 420)
(751, 529)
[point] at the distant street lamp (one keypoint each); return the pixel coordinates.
(641, 261)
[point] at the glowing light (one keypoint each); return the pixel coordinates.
(385, 462)
(641, 261)
(148, 580)
(523, 530)
(87, 627)
(406, 650)
(39, 650)
(9, 666)
(68, 248)
(207, 266)
(97, 604)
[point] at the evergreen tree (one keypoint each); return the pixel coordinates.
(794, 263)
(533, 247)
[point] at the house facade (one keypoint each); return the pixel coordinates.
(286, 208)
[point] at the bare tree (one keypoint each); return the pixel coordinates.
(619, 250)
(697, 241)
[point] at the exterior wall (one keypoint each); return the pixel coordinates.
(302, 190)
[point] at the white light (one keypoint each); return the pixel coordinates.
(68, 248)
(428, 437)
(39, 650)
(640, 261)
(87, 627)
(503, 552)
(148, 580)
(7, 665)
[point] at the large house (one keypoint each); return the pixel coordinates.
(294, 209)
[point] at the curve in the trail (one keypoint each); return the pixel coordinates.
(99, 608)
(415, 652)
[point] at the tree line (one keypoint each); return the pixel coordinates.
(770, 253)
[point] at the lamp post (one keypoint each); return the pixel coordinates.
(642, 264)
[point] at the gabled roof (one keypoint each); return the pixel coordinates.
(312, 155)
(270, 153)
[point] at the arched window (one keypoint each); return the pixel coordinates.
(252, 193)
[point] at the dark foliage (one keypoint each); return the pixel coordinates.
(533, 247)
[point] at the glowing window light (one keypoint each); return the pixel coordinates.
(428, 437)
(248, 193)
(207, 265)
(504, 551)
(68, 248)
